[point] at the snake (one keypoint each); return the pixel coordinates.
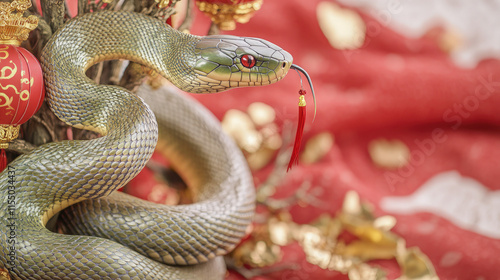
(113, 235)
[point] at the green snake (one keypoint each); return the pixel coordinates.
(138, 239)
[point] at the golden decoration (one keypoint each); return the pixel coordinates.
(14, 28)
(344, 28)
(389, 154)
(226, 15)
(162, 3)
(255, 132)
(317, 147)
(415, 265)
(7, 134)
(324, 246)
(258, 250)
(4, 275)
(261, 113)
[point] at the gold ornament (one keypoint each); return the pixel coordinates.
(14, 28)
(162, 3)
(226, 15)
(4, 275)
(7, 134)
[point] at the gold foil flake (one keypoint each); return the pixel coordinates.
(358, 219)
(344, 28)
(352, 204)
(261, 113)
(324, 244)
(317, 147)
(281, 232)
(162, 3)
(257, 253)
(367, 250)
(260, 158)
(366, 272)
(249, 140)
(235, 121)
(255, 133)
(389, 154)
(274, 141)
(415, 266)
(329, 227)
(384, 223)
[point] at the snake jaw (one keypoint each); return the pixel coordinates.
(218, 64)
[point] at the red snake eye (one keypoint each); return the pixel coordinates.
(248, 60)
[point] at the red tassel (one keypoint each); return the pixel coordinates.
(3, 160)
(300, 130)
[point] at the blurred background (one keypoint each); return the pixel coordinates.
(397, 177)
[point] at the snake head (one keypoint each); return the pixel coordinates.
(223, 62)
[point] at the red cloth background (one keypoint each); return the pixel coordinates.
(393, 87)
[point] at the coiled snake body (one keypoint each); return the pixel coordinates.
(58, 175)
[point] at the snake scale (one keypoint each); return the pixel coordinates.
(133, 239)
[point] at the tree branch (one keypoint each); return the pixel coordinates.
(83, 7)
(53, 13)
(188, 19)
(20, 146)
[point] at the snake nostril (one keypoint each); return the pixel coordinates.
(283, 65)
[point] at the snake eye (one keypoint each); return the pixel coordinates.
(248, 60)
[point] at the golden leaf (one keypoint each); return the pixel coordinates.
(317, 147)
(366, 272)
(261, 113)
(389, 154)
(416, 266)
(344, 28)
(162, 3)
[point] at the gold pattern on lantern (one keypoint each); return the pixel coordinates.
(226, 15)
(7, 73)
(7, 134)
(14, 28)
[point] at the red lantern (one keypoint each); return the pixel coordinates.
(21, 80)
(225, 13)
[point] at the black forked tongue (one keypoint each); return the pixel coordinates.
(302, 115)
